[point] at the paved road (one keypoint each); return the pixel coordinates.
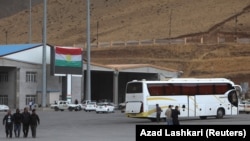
(89, 126)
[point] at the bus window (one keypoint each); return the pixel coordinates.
(221, 88)
(176, 89)
(134, 87)
(189, 89)
(204, 89)
(155, 90)
(168, 88)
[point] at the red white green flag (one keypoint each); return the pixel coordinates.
(68, 57)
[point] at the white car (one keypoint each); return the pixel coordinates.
(105, 108)
(91, 106)
(85, 102)
(244, 106)
(4, 108)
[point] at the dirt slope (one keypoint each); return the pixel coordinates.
(228, 60)
(123, 20)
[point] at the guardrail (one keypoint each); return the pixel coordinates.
(159, 42)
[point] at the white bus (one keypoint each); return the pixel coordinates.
(196, 97)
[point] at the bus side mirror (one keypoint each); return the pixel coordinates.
(183, 106)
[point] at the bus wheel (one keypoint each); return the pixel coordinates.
(220, 113)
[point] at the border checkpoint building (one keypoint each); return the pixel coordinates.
(21, 78)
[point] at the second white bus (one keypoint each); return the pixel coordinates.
(196, 97)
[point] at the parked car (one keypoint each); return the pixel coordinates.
(85, 102)
(105, 108)
(244, 106)
(65, 105)
(91, 106)
(4, 108)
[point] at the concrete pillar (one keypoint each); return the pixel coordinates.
(17, 103)
(115, 87)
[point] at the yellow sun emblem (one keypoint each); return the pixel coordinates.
(68, 57)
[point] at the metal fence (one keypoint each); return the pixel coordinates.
(153, 42)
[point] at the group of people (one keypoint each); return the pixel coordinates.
(171, 114)
(17, 120)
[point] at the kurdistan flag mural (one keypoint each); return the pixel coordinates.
(68, 57)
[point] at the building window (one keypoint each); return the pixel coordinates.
(31, 76)
(3, 77)
(4, 99)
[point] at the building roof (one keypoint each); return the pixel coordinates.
(30, 53)
(14, 48)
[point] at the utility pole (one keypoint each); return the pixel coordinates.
(44, 83)
(30, 34)
(97, 27)
(236, 21)
(170, 22)
(6, 37)
(88, 87)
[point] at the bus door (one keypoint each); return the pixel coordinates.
(191, 110)
(183, 105)
(201, 105)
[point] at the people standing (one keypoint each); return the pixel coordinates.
(175, 116)
(17, 116)
(76, 101)
(168, 114)
(26, 122)
(34, 121)
(8, 122)
(30, 104)
(158, 113)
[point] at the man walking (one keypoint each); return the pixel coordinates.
(8, 122)
(17, 122)
(26, 122)
(34, 121)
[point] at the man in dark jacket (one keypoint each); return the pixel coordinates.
(34, 121)
(175, 115)
(158, 113)
(8, 122)
(17, 116)
(26, 122)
